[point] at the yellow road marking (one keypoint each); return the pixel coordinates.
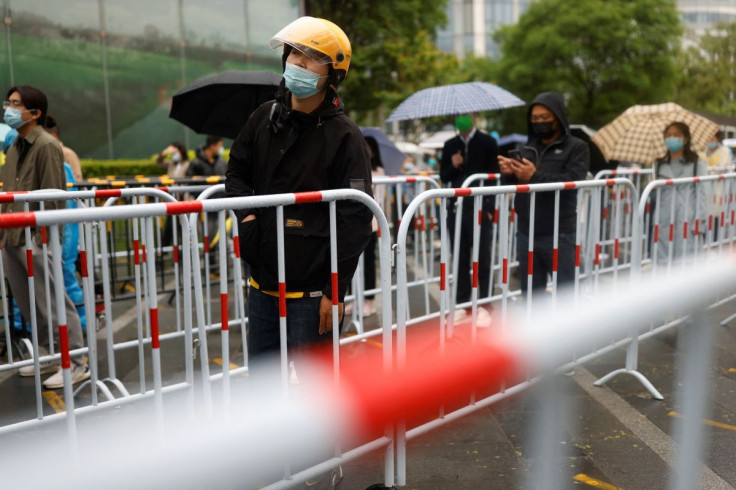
(129, 287)
(374, 343)
(582, 478)
(712, 423)
(732, 370)
(218, 361)
(56, 402)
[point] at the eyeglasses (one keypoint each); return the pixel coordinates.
(15, 104)
(544, 118)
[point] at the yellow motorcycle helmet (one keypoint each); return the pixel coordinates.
(323, 41)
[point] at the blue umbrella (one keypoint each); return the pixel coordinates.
(391, 156)
(451, 100)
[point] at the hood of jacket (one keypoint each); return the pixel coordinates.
(555, 103)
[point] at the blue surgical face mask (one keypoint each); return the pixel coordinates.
(300, 81)
(673, 144)
(13, 118)
(176, 157)
(220, 151)
(712, 145)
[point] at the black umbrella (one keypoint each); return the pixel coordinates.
(598, 162)
(220, 104)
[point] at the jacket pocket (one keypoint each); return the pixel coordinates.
(249, 241)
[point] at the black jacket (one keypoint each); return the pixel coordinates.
(481, 157)
(565, 159)
(289, 151)
(200, 165)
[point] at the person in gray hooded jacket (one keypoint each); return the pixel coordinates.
(551, 155)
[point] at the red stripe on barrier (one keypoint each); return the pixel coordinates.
(505, 271)
(224, 317)
(136, 253)
(605, 213)
(696, 179)
(44, 238)
(648, 208)
(379, 232)
(554, 260)
(432, 224)
(697, 227)
(164, 189)
(29, 262)
(733, 217)
(720, 177)
(143, 254)
(492, 176)
(206, 244)
(615, 249)
(513, 214)
(443, 278)
(184, 207)
(614, 172)
(656, 233)
(424, 225)
(154, 328)
(302, 197)
(522, 188)
(569, 185)
(495, 216)
(627, 208)
(282, 300)
(83, 258)
(66, 361)
(335, 290)
(668, 182)
(530, 262)
(480, 218)
(17, 220)
(723, 219)
(106, 193)
(176, 253)
(597, 254)
(577, 255)
(475, 275)
(463, 192)
(684, 231)
(411, 180)
(6, 198)
(672, 232)
(236, 246)
(610, 182)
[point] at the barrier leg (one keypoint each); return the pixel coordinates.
(632, 354)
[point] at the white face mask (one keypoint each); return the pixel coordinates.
(220, 151)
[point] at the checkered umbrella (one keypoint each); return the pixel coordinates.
(452, 100)
(637, 135)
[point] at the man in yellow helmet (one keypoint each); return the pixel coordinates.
(301, 141)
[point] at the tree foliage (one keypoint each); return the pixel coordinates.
(393, 51)
(708, 76)
(603, 55)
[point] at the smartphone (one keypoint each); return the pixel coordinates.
(515, 154)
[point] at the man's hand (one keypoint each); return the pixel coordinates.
(505, 164)
(524, 169)
(457, 159)
(325, 314)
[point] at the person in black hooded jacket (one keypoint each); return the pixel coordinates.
(301, 141)
(551, 155)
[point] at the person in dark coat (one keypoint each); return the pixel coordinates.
(470, 152)
(208, 159)
(301, 141)
(551, 155)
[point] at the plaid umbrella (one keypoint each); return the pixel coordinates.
(637, 134)
(452, 100)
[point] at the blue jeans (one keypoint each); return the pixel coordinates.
(543, 257)
(302, 326)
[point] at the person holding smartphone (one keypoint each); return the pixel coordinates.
(551, 155)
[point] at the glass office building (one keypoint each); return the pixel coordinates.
(110, 67)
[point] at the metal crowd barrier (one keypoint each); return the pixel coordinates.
(192, 284)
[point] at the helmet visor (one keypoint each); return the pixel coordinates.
(309, 36)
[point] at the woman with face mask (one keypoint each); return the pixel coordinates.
(682, 208)
(174, 159)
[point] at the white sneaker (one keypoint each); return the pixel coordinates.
(45, 367)
(56, 380)
(484, 318)
(461, 315)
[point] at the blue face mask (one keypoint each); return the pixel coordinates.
(220, 151)
(712, 145)
(300, 81)
(176, 157)
(673, 144)
(13, 118)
